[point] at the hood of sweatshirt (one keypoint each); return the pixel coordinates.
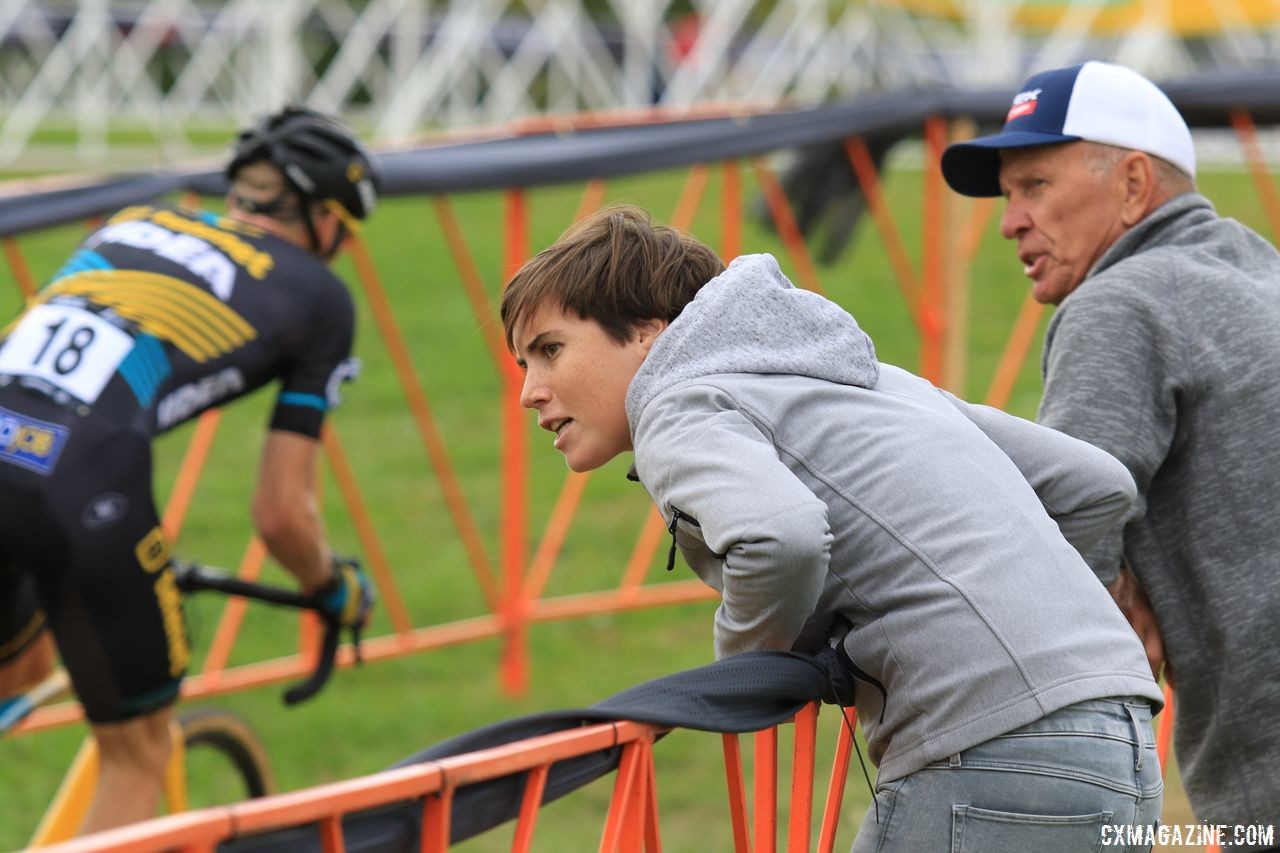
(751, 319)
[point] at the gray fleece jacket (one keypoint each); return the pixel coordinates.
(1168, 357)
(822, 493)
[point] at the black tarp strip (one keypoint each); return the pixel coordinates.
(549, 158)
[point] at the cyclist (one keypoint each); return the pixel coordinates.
(159, 315)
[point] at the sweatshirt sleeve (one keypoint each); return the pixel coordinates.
(1085, 490)
(698, 454)
(1112, 368)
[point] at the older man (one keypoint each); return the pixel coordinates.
(1165, 351)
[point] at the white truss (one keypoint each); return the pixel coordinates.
(164, 68)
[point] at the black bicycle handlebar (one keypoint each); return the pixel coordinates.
(193, 577)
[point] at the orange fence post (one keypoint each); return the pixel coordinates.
(835, 789)
(804, 755)
(766, 791)
(437, 813)
(331, 840)
(737, 793)
(621, 806)
(534, 787)
(514, 536)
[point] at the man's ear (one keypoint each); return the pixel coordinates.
(647, 331)
(1139, 190)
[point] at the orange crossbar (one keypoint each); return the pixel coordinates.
(421, 411)
(18, 264)
(1015, 352)
(472, 283)
(865, 171)
(695, 185)
(370, 544)
(1247, 133)
(788, 228)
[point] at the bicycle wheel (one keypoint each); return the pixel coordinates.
(218, 741)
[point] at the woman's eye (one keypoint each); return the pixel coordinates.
(550, 350)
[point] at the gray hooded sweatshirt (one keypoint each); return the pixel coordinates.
(826, 495)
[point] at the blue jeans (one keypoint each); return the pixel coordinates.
(1048, 787)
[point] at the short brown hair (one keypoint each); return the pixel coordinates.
(615, 267)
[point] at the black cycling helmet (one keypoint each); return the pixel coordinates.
(321, 159)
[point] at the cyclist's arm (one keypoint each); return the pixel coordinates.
(286, 511)
(1084, 489)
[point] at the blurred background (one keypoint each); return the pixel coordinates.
(88, 83)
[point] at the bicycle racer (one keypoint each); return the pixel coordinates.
(159, 315)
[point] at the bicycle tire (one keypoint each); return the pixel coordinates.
(235, 740)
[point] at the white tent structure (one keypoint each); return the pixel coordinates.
(99, 73)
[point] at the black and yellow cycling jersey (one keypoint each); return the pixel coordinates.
(165, 312)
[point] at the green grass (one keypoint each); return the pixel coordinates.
(371, 717)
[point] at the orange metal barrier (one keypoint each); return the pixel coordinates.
(631, 822)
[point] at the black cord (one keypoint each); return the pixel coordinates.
(865, 775)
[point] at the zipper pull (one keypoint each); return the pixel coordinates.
(671, 528)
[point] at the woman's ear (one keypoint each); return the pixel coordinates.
(647, 331)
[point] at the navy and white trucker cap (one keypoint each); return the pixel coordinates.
(1096, 101)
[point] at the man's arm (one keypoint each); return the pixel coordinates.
(286, 511)
(1114, 368)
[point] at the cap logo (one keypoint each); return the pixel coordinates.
(1024, 104)
(354, 171)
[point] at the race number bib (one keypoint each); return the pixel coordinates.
(71, 348)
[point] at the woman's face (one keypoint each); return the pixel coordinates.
(576, 377)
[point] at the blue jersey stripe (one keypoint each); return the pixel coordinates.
(311, 401)
(82, 261)
(145, 368)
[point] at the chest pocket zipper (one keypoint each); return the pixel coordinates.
(676, 515)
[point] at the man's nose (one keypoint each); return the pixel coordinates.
(1014, 222)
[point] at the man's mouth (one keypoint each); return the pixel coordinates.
(1033, 266)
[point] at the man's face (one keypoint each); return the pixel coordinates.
(1063, 213)
(576, 376)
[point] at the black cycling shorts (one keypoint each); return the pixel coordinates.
(80, 537)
